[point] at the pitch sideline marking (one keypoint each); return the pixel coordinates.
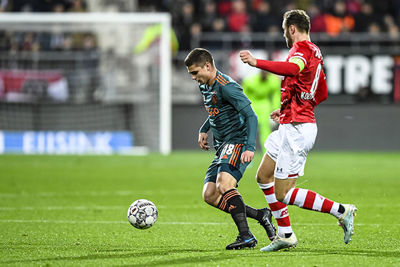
(91, 207)
(59, 208)
(85, 193)
(179, 223)
(13, 208)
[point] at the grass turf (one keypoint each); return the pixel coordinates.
(71, 210)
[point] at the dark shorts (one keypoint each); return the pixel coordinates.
(227, 160)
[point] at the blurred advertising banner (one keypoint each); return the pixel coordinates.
(345, 74)
(65, 142)
(33, 85)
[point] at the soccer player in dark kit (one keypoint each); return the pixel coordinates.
(234, 128)
(303, 88)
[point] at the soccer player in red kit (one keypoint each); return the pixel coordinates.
(303, 87)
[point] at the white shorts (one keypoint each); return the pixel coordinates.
(288, 147)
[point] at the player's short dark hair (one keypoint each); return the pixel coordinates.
(297, 17)
(199, 57)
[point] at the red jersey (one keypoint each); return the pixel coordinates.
(302, 92)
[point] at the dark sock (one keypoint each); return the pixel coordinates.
(254, 213)
(341, 209)
(232, 202)
(222, 206)
(250, 212)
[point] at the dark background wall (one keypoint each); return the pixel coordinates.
(340, 127)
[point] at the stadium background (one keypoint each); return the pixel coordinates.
(93, 85)
(359, 39)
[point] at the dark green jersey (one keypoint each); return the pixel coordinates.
(223, 101)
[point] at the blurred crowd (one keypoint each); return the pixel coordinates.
(15, 41)
(191, 18)
(43, 6)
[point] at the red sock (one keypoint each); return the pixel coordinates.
(310, 200)
(279, 209)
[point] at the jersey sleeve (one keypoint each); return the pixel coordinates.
(233, 93)
(278, 67)
(205, 127)
(251, 124)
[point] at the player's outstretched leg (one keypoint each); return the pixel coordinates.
(232, 202)
(310, 200)
(264, 218)
(346, 221)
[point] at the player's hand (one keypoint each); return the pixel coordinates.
(275, 115)
(248, 58)
(203, 141)
(247, 156)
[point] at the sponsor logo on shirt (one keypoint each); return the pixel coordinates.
(212, 111)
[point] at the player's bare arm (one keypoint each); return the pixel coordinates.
(248, 58)
(203, 141)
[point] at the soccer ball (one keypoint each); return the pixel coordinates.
(142, 214)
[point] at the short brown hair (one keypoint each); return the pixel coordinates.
(297, 17)
(199, 57)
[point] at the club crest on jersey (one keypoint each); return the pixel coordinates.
(307, 96)
(214, 99)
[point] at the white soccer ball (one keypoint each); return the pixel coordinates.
(142, 214)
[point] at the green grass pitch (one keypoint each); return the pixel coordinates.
(71, 210)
